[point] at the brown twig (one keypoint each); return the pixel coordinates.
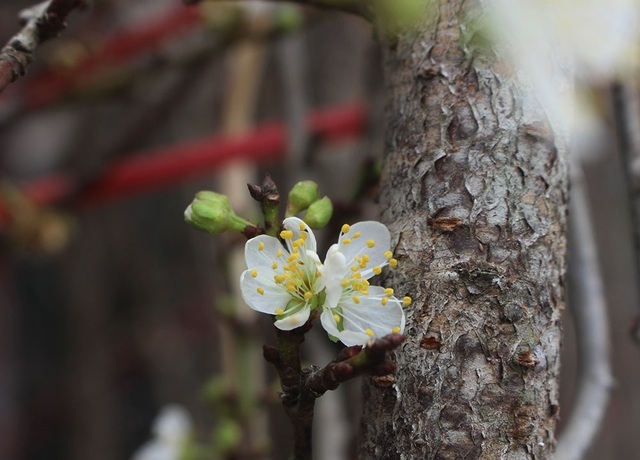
(300, 388)
(40, 23)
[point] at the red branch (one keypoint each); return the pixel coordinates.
(152, 170)
(49, 86)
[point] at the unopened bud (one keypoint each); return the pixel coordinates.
(211, 212)
(301, 196)
(319, 213)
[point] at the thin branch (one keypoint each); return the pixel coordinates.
(40, 23)
(588, 308)
(357, 7)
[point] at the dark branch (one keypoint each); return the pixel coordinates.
(40, 23)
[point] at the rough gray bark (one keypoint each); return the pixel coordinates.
(474, 192)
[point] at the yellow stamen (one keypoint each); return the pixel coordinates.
(254, 273)
(371, 243)
(406, 301)
(279, 253)
(388, 254)
(395, 330)
(384, 301)
(393, 263)
(308, 295)
(293, 256)
(337, 318)
(355, 268)
(304, 236)
(356, 299)
(302, 226)
(344, 282)
(291, 286)
(286, 234)
(377, 270)
(356, 235)
(356, 275)
(364, 292)
(260, 291)
(297, 243)
(260, 245)
(369, 332)
(274, 265)
(279, 311)
(279, 279)
(345, 228)
(366, 259)
(388, 292)
(346, 241)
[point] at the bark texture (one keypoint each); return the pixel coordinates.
(474, 192)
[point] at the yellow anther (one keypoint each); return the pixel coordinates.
(388, 292)
(260, 291)
(337, 318)
(377, 270)
(356, 235)
(384, 301)
(260, 245)
(364, 292)
(274, 265)
(356, 299)
(363, 265)
(406, 301)
(346, 241)
(254, 273)
(279, 279)
(393, 263)
(388, 254)
(355, 268)
(369, 332)
(286, 234)
(293, 256)
(356, 275)
(395, 330)
(279, 311)
(279, 253)
(291, 286)
(304, 236)
(370, 243)
(345, 228)
(302, 226)
(344, 283)
(366, 258)
(297, 243)
(308, 295)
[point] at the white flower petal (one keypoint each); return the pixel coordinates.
(173, 424)
(155, 450)
(275, 296)
(368, 233)
(256, 257)
(333, 272)
(295, 320)
(370, 314)
(349, 338)
(295, 225)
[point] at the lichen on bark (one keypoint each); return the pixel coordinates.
(474, 193)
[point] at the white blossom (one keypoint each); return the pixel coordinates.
(291, 282)
(171, 430)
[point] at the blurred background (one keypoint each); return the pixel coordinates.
(112, 307)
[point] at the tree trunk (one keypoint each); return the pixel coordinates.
(474, 192)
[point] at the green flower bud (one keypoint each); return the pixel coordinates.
(319, 213)
(301, 196)
(211, 212)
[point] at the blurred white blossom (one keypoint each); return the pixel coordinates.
(555, 43)
(171, 430)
